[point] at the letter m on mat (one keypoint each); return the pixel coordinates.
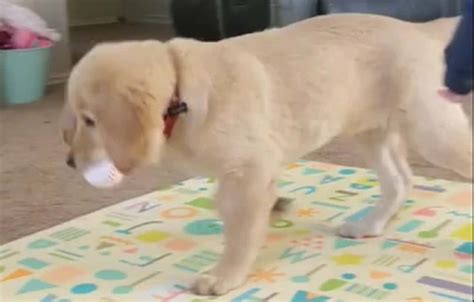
(297, 256)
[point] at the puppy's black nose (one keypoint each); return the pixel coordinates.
(71, 162)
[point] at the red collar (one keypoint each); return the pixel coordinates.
(175, 108)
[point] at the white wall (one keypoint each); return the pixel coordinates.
(155, 11)
(55, 13)
(86, 12)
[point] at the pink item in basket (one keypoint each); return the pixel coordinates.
(5, 39)
(17, 16)
(24, 38)
(44, 43)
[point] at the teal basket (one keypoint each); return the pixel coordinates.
(23, 75)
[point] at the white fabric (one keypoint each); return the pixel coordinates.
(21, 17)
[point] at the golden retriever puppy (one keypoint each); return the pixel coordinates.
(257, 102)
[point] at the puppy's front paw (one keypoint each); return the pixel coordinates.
(361, 229)
(209, 284)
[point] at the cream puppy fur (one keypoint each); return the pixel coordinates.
(259, 101)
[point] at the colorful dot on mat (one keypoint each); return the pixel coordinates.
(282, 223)
(132, 250)
(201, 202)
(348, 276)
(204, 227)
(64, 274)
(466, 247)
(446, 264)
(347, 171)
(18, 273)
(122, 290)
(33, 263)
(390, 286)
(110, 275)
(348, 259)
(179, 213)
(84, 247)
(104, 253)
(2, 268)
(202, 189)
(467, 269)
(300, 279)
(180, 245)
(83, 288)
(152, 236)
(34, 285)
(301, 231)
(41, 244)
(332, 284)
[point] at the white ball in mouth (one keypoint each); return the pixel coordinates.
(103, 174)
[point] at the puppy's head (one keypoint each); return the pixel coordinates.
(116, 97)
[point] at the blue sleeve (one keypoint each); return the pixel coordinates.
(459, 62)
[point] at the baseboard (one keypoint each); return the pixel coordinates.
(94, 21)
(155, 19)
(58, 78)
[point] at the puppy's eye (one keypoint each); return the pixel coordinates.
(88, 121)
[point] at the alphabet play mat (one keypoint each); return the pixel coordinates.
(151, 248)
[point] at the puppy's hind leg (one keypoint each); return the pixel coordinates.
(386, 154)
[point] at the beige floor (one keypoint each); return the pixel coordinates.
(38, 191)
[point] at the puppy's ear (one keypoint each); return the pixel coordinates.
(125, 125)
(68, 124)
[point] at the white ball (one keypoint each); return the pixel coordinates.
(103, 175)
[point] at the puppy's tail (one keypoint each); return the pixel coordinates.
(441, 132)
